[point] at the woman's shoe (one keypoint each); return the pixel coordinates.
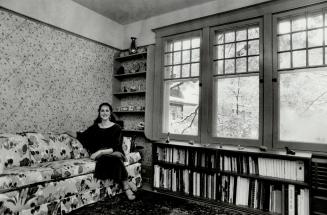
(130, 195)
(132, 186)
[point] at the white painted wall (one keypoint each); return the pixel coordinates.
(143, 29)
(72, 17)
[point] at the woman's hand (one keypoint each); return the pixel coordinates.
(95, 155)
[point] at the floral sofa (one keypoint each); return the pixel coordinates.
(52, 174)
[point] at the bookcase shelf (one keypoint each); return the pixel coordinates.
(242, 178)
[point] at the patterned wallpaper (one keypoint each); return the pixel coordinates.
(50, 80)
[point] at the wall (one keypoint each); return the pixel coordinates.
(50, 80)
(143, 29)
(72, 17)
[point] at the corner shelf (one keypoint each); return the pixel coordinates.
(123, 112)
(127, 75)
(132, 57)
(133, 131)
(129, 93)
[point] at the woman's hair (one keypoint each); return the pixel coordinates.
(112, 118)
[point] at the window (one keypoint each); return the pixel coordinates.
(236, 54)
(181, 70)
(302, 71)
(253, 76)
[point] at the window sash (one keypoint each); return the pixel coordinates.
(277, 143)
(224, 28)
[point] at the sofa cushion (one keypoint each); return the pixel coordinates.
(41, 148)
(21, 176)
(69, 168)
(77, 149)
(13, 151)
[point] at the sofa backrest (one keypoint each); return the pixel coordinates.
(14, 151)
(30, 148)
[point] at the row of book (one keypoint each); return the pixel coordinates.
(173, 155)
(253, 193)
(244, 164)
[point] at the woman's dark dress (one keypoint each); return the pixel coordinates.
(107, 166)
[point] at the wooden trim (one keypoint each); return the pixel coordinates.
(267, 14)
(236, 15)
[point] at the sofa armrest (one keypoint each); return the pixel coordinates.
(132, 158)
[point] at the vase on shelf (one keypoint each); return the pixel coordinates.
(133, 48)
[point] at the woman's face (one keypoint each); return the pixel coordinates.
(105, 113)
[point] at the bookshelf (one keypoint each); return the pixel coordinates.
(247, 179)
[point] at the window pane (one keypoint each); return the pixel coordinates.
(181, 107)
(220, 51)
(220, 38)
(315, 21)
(186, 56)
(241, 65)
(168, 72)
(315, 38)
(298, 24)
(177, 45)
(284, 60)
(186, 44)
(177, 57)
(185, 70)
(241, 35)
(253, 33)
(195, 55)
(169, 46)
(237, 107)
(253, 47)
(219, 67)
(303, 106)
(253, 64)
(195, 42)
(229, 37)
(229, 66)
(284, 42)
(168, 59)
(284, 27)
(230, 50)
(299, 40)
(241, 49)
(315, 57)
(176, 72)
(299, 58)
(195, 69)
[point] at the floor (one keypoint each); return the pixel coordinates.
(152, 204)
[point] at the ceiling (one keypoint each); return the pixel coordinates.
(128, 11)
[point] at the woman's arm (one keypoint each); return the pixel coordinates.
(100, 152)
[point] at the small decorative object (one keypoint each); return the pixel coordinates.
(133, 48)
(191, 142)
(133, 89)
(136, 67)
(121, 70)
(289, 151)
(140, 126)
(167, 139)
(263, 148)
(123, 108)
(124, 89)
(131, 108)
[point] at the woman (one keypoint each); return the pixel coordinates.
(103, 140)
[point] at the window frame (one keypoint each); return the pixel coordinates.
(277, 143)
(266, 11)
(238, 25)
